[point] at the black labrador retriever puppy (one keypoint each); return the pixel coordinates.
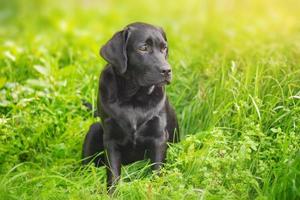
(137, 118)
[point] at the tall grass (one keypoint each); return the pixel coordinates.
(236, 91)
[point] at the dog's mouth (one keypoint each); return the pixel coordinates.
(164, 82)
(159, 82)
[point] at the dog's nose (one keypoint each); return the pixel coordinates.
(166, 71)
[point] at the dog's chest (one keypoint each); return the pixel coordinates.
(142, 107)
(139, 115)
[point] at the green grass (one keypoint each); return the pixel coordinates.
(236, 91)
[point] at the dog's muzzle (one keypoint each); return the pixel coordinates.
(166, 72)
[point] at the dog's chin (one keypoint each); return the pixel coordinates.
(160, 83)
(163, 83)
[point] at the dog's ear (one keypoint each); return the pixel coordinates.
(114, 51)
(161, 30)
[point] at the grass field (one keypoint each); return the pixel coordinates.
(236, 90)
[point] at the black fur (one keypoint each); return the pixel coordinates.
(137, 118)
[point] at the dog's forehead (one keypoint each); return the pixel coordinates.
(141, 34)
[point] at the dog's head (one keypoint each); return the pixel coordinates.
(140, 49)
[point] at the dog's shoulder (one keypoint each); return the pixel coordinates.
(107, 83)
(107, 74)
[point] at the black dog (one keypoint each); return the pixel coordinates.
(137, 118)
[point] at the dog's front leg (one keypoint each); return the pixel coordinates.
(113, 167)
(157, 154)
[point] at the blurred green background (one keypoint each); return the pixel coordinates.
(236, 90)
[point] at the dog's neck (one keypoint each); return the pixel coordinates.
(128, 87)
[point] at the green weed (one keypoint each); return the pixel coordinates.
(236, 91)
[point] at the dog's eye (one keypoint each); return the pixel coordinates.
(144, 48)
(164, 48)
